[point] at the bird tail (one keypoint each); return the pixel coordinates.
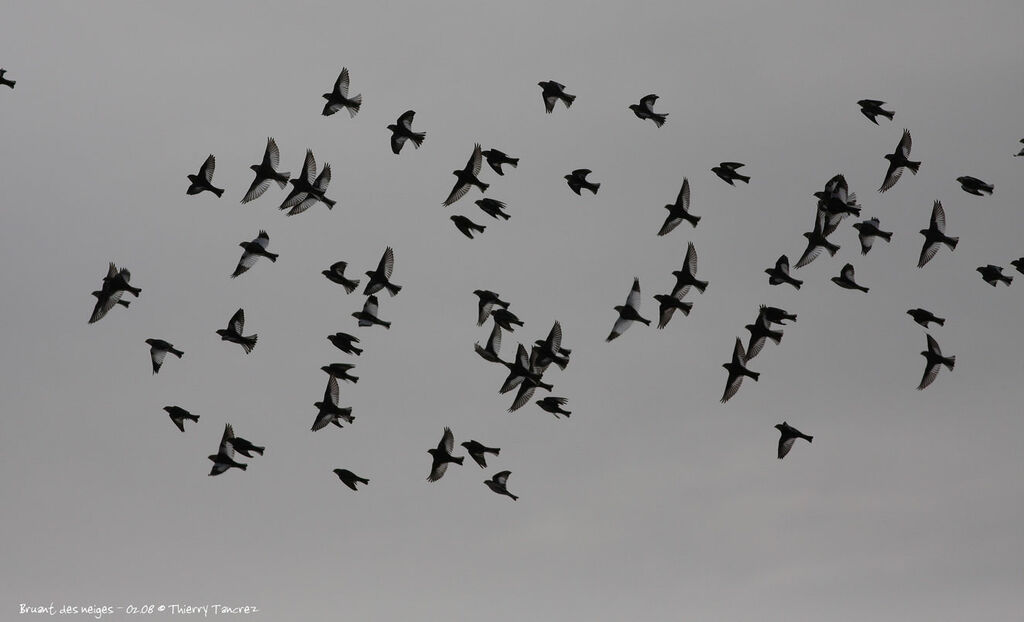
(568, 99)
(272, 256)
(388, 325)
(242, 466)
(659, 119)
(744, 178)
(458, 460)
(831, 248)
(693, 220)
(177, 353)
(218, 191)
(248, 343)
(863, 289)
(356, 351)
(775, 336)
(595, 187)
(811, 438)
(282, 179)
(330, 203)
(514, 497)
(393, 289)
(417, 139)
(476, 227)
(887, 114)
(753, 374)
(353, 108)
(1007, 279)
(483, 187)
(700, 285)
(646, 322)
(949, 362)
(11, 83)
(191, 417)
(350, 287)
(124, 303)
(952, 242)
(362, 480)
(514, 162)
(913, 166)
(885, 235)
(259, 450)
(940, 321)
(796, 283)
(354, 379)
(135, 291)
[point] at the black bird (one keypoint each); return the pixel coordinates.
(117, 280)
(317, 193)
(466, 226)
(497, 484)
(1016, 263)
(233, 332)
(922, 317)
(340, 370)
(224, 459)
(4, 81)
(490, 351)
(873, 108)
(629, 312)
(645, 110)
(368, 316)
(492, 208)
(467, 177)
(251, 251)
(867, 231)
(344, 341)
(266, 172)
(329, 409)
(935, 235)
(488, 300)
(496, 158)
(787, 436)
(551, 92)
(898, 160)
(760, 331)
(1021, 154)
(477, 450)
(994, 274)
(550, 350)
(846, 279)
(245, 447)
(505, 319)
(381, 277)
(679, 211)
(349, 478)
(780, 273)
(336, 274)
(776, 315)
(442, 455)
(667, 305)
(727, 171)
(816, 242)
(522, 370)
(577, 181)
(837, 202)
(737, 370)
(401, 131)
(554, 405)
(687, 275)
(178, 415)
(158, 349)
(526, 389)
(110, 294)
(302, 185)
(204, 179)
(338, 98)
(933, 356)
(973, 185)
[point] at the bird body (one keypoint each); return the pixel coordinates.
(577, 181)
(336, 274)
(252, 251)
(728, 172)
(487, 301)
(233, 332)
(224, 459)
(973, 185)
(645, 110)
(493, 208)
(329, 410)
(872, 108)
(993, 275)
(266, 172)
(898, 160)
(679, 211)
(349, 478)
(816, 242)
(497, 484)
(933, 359)
(466, 226)
(477, 452)
(867, 231)
(935, 235)
(629, 312)
(179, 415)
(737, 370)
(552, 92)
(505, 319)
(340, 370)
(687, 275)
(787, 436)
(401, 131)
(368, 316)
(846, 279)
(381, 277)
(6, 82)
(496, 158)
(780, 273)
(667, 306)
(554, 405)
(158, 350)
(490, 351)
(344, 341)
(442, 456)
(466, 177)
(338, 98)
(923, 317)
(204, 179)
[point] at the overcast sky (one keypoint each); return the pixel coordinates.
(653, 501)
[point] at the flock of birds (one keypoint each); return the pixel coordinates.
(527, 369)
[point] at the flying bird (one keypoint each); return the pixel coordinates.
(178, 415)
(368, 316)
(340, 370)
(246, 448)
(1016, 263)
(466, 226)
(994, 274)
(780, 273)
(492, 208)
(973, 185)
(737, 370)
(344, 341)
(629, 312)
(687, 275)
(442, 455)
(252, 251)
(204, 180)
(776, 315)
(338, 98)
(105, 302)
(679, 211)
(317, 193)
(645, 110)
(505, 319)
(224, 459)
(554, 405)
(816, 242)
(349, 478)
(727, 171)
(496, 158)
(302, 185)
(787, 436)
(1021, 154)
(837, 202)
(110, 294)
(922, 317)
(336, 274)
(873, 108)
(846, 279)
(490, 351)
(934, 358)
(329, 409)
(118, 280)
(935, 235)
(497, 484)
(158, 350)
(266, 172)
(467, 177)
(552, 92)
(760, 332)
(401, 131)
(233, 332)
(867, 231)
(577, 181)
(6, 82)
(550, 350)
(667, 306)
(488, 300)
(477, 450)
(898, 160)
(381, 277)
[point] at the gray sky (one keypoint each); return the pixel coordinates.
(653, 501)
